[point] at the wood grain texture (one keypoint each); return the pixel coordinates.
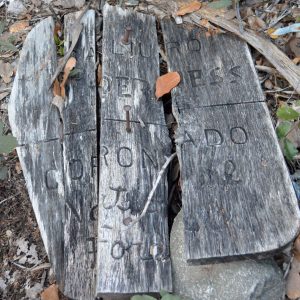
(283, 64)
(80, 165)
(81, 204)
(32, 116)
(138, 257)
(237, 196)
(42, 167)
(80, 107)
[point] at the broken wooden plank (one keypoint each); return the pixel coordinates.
(35, 123)
(237, 196)
(130, 160)
(32, 116)
(80, 107)
(80, 164)
(42, 167)
(80, 233)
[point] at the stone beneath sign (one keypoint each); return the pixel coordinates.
(245, 279)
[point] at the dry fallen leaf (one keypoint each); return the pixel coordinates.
(294, 45)
(165, 83)
(188, 8)
(6, 71)
(19, 26)
(18, 167)
(256, 23)
(70, 65)
(50, 293)
(56, 88)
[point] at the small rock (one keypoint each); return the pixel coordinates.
(246, 279)
(16, 7)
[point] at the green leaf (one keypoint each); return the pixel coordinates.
(220, 4)
(170, 297)
(7, 142)
(6, 46)
(283, 128)
(287, 113)
(163, 292)
(289, 149)
(142, 297)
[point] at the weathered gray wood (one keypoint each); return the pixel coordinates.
(80, 108)
(80, 165)
(61, 174)
(32, 116)
(42, 167)
(236, 192)
(131, 259)
(35, 120)
(80, 233)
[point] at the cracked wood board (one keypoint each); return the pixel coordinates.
(35, 123)
(80, 164)
(237, 196)
(59, 161)
(137, 256)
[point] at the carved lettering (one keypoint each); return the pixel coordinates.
(106, 84)
(94, 213)
(104, 153)
(124, 87)
(229, 168)
(152, 159)
(76, 169)
(194, 45)
(118, 250)
(114, 203)
(234, 72)
(142, 53)
(238, 135)
(215, 78)
(173, 45)
(124, 160)
(93, 250)
(213, 137)
(77, 197)
(196, 77)
(50, 179)
(189, 138)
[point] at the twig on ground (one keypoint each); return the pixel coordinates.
(8, 198)
(155, 185)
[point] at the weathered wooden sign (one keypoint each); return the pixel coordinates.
(58, 153)
(237, 196)
(134, 145)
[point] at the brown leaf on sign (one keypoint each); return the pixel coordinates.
(165, 83)
(19, 26)
(188, 8)
(56, 88)
(50, 293)
(70, 65)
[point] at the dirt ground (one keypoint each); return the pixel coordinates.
(24, 267)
